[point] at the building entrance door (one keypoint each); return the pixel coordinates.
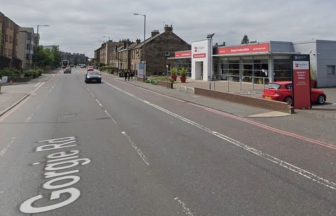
(199, 70)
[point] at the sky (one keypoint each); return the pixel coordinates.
(80, 26)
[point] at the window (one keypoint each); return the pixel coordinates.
(331, 69)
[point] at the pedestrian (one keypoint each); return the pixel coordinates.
(129, 75)
(125, 74)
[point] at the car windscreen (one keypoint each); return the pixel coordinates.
(273, 86)
(93, 73)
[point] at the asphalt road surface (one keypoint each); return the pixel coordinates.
(115, 149)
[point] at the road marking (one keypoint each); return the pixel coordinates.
(186, 210)
(269, 128)
(59, 187)
(286, 165)
(5, 149)
(98, 102)
(110, 116)
(136, 148)
(37, 88)
(254, 123)
(29, 118)
(37, 84)
(36, 163)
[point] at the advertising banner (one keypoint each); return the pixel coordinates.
(247, 49)
(301, 82)
(142, 70)
(183, 54)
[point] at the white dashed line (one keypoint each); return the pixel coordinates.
(110, 116)
(136, 148)
(5, 149)
(29, 118)
(98, 102)
(281, 163)
(186, 210)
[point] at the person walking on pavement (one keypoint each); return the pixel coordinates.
(128, 76)
(125, 76)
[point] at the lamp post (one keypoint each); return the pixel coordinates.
(37, 31)
(144, 15)
(143, 49)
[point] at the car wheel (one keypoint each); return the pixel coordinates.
(321, 99)
(289, 100)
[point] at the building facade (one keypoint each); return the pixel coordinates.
(8, 43)
(156, 50)
(26, 46)
(260, 62)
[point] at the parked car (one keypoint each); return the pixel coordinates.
(67, 70)
(282, 91)
(93, 76)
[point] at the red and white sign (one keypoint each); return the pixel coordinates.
(199, 55)
(183, 54)
(301, 82)
(247, 49)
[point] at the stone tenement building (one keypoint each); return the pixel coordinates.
(127, 55)
(156, 49)
(17, 44)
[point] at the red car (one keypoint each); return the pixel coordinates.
(282, 91)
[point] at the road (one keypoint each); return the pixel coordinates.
(115, 149)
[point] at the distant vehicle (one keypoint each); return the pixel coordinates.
(82, 65)
(90, 68)
(67, 70)
(93, 76)
(72, 65)
(282, 91)
(65, 63)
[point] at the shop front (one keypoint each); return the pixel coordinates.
(258, 63)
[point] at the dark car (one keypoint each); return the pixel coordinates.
(67, 70)
(93, 76)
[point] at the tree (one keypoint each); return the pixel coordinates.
(245, 40)
(47, 57)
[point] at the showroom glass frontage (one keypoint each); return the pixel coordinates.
(258, 63)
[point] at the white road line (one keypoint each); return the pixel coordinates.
(286, 165)
(98, 102)
(37, 88)
(136, 148)
(186, 210)
(36, 163)
(110, 116)
(29, 118)
(5, 149)
(37, 84)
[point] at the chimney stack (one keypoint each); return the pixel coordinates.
(155, 32)
(168, 28)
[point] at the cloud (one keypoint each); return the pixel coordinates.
(80, 25)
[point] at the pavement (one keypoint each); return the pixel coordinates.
(76, 149)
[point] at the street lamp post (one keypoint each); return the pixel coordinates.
(144, 38)
(37, 31)
(144, 15)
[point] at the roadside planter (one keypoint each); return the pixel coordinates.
(183, 75)
(174, 73)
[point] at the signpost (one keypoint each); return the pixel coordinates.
(142, 71)
(301, 82)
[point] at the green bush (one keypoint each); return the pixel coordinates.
(10, 72)
(31, 73)
(183, 72)
(174, 71)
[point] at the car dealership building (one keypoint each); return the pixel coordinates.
(260, 62)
